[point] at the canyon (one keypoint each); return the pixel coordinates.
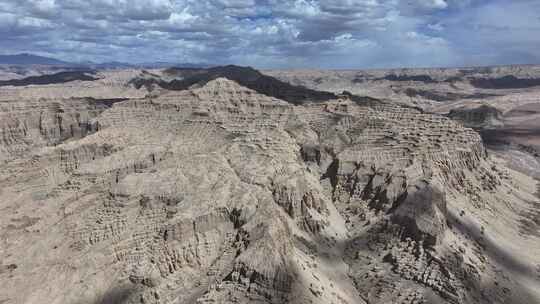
(232, 185)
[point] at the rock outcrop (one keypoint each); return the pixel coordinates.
(481, 117)
(220, 194)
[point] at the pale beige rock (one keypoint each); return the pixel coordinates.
(219, 194)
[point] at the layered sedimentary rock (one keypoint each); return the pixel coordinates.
(426, 88)
(220, 194)
(482, 117)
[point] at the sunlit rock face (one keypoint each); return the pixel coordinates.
(217, 193)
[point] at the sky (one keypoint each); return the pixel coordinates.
(277, 33)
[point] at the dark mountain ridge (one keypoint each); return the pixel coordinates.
(25, 59)
(29, 59)
(245, 76)
(60, 77)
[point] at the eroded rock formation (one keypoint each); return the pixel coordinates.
(220, 194)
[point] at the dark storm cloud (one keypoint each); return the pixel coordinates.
(276, 33)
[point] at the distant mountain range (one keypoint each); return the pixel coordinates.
(30, 59)
(27, 59)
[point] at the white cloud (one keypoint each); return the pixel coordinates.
(435, 4)
(328, 33)
(437, 27)
(181, 18)
(46, 7)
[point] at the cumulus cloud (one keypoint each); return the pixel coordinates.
(433, 4)
(276, 33)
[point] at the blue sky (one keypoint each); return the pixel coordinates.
(277, 34)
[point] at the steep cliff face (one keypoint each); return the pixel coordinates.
(219, 194)
(481, 117)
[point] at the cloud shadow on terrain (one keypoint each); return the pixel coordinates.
(184, 78)
(497, 289)
(116, 295)
(60, 77)
(494, 251)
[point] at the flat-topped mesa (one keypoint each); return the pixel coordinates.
(393, 128)
(374, 153)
